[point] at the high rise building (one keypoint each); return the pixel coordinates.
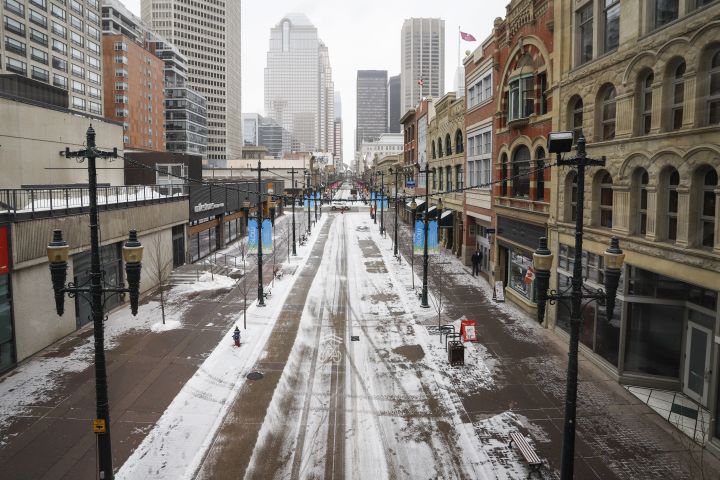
(338, 143)
(394, 113)
(207, 33)
(422, 60)
(185, 109)
(262, 131)
(299, 86)
(134, 79)
(56, 44)
(372, 105)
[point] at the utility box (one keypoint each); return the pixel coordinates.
(456, 353)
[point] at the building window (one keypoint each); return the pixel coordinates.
(433, 149)
(540, 174)
(14, 26)
(59, 46)
(459, 142)
(646, 94)
(433, 179)
(576, 118)
(440, 148)
(521, 172)
(60, 81)
(612, 25)
(517, 273)
(78, 103)
(607, 111)
(521, 99)
(542, 93)
(707, 212)
(713, 97)
(503, 175)
(606, 200)
(440, 179)
(15, 46)
(666, 11)
(448, 178)
(38, 55)
(585, 33)
(571, 197)
(678, 97)
(448, 145)
(641, 180)
(16, 66)
(673, 181)
(40, 74)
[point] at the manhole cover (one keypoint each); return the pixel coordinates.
(254, 376)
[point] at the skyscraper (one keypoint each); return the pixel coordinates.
(299, 86)
(394, 104)
(372, 105)
(422, 60)
(207, 32)
(338, 143)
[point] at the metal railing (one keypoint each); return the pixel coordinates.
(57, 201)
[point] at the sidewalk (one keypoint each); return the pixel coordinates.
(48, 401)
(617, 436)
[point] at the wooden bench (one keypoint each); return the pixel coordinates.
(528, 452)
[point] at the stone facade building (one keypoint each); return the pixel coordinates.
(446, 141)
(641, 81)
(523, 119)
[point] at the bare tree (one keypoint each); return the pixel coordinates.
(160, 268)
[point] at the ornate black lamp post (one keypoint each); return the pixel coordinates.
(308, 191)
(395, 234)
(558, 143)
(57, 252)
(424, 297)
(382, 202)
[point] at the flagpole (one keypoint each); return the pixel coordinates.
(458, 46)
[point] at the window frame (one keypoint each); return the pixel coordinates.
(584, 31)
(608, 102)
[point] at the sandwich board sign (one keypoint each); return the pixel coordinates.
(499, 291)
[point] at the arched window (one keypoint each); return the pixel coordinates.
(521, 171)
(448, 178)
(606, 200)
(640, 181)
(540, 174)
(448, 145)
(707, 212)
(458, 142)
(440, 148)
(678, 96)
(432, 172)
(671, 208)
(713, 97)
(576, 117)
(645, 91)
(503, 175)
(607, 111)
(440, 179)
(433, 149)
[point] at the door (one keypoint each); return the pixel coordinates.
(697, 362)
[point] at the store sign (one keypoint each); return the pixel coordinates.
(499, 295)
(4, 251)
(204, 207)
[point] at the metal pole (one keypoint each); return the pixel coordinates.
(395, 250)
(424, 301)
(568, 445)
(261, 297)
(308, 199)
(382, 203)
(375, 201)
(294, 199)
(101, 389)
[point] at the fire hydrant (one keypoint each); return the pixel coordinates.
(236, 336)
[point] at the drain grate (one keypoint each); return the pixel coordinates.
(254, 376)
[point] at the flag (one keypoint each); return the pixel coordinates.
(467, 37)
(421, 82)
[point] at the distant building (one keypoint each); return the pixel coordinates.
(394, 113)
(298, 85)
(422, 60)
(185, 109)
(372, 105)
(134, 79)
(374, 150)
(51, 52)
(263, 132)
(338, 143)
(207, 32)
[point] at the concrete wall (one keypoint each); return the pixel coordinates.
(32, 137)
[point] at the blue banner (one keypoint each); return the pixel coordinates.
(267, 236)
(309, 201)
(372, 196)
(419, 240)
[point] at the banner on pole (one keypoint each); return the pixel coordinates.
(419, 242)
(309, 202)
(267, 236)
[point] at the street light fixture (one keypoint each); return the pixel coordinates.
(561, 142)
(395, 234)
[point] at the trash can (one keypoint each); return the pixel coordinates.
(456, 353)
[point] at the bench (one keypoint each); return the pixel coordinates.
(528, 452)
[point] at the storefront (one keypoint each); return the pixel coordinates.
(479, 234)
(203, 237)
(7, 337)
(516, 241)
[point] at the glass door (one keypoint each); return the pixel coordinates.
(697, 362)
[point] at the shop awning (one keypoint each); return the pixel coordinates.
(420, 205)
(446, 219)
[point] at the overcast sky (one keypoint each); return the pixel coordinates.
(360, 35)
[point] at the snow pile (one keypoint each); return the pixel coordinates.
(206, 281)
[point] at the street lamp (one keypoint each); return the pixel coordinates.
(413, 207)
(561, 142)
(382, 202)
(424, 298)
(57, 252)
(395, 247)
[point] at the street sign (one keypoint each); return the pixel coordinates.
(99, 425)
